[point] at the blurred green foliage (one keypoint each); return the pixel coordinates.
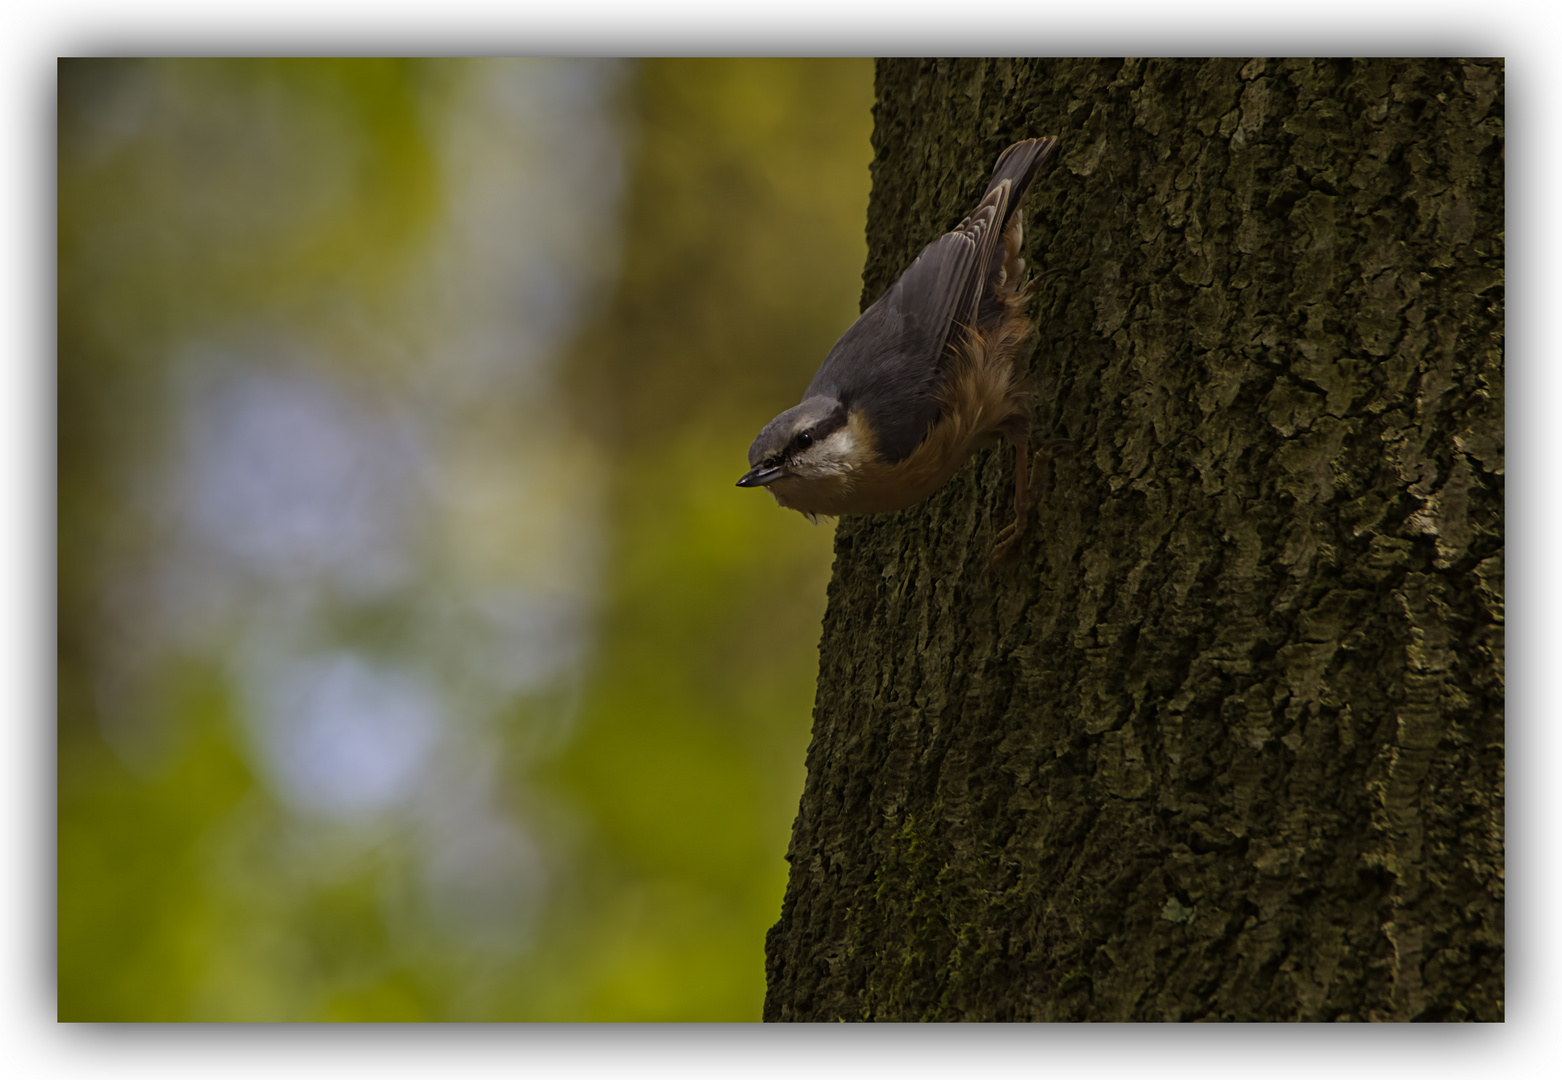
(659, 779)
(743, 234)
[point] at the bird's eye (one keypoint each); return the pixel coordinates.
(803, 440)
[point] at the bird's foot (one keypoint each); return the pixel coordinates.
(1007, 546)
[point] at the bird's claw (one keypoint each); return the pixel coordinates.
(1007, 547)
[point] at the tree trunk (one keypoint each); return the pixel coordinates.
(1228, 742)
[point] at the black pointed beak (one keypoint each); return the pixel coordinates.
(760, 475)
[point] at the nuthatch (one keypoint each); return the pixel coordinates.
(928, 373)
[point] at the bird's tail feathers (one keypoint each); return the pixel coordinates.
(1018, 164)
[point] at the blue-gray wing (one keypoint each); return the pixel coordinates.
(891, 362)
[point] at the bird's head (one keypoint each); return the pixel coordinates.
(810, 446)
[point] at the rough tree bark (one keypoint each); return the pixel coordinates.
(1228, 744)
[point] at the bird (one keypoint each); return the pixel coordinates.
(927, 374)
